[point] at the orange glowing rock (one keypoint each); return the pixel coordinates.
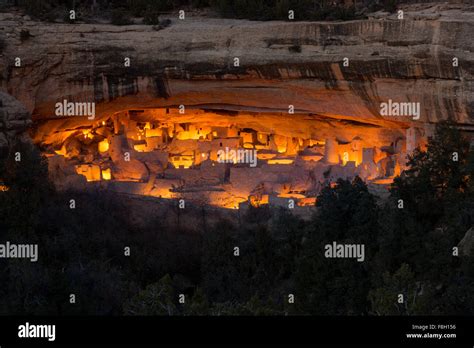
(307, 201)
(280, 142)
(248, 146)
(87, 134)
(280, 161)
(266, 154)
(62, 151)
(258, 200)
(106, 174)
(104, 145)
(185, 160)
(90, 171)
(292, 195)
(385, 181)
(156, 132)
(141, 147)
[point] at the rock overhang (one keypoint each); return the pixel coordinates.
(192, 63)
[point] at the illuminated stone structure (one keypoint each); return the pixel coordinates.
(161, 154)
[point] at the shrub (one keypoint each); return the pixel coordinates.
(342, 13)
(151, 17)
(24, 34)
(162, 24)
(33, 7)
(271, 10)
(199, 3)
(386, 5)
(165, 22)
(390, 5)
(120, 17)
(50, 16)
(295, 49)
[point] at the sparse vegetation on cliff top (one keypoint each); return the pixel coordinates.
(121, 12)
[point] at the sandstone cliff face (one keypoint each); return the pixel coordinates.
(14, 119)
(192, 63)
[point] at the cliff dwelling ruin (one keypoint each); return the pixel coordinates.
(199, 154)
(140, 142)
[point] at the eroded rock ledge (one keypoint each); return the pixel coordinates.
(336, 129)
(191, 63)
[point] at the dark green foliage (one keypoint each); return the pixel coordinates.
(224, 275)
(162, 24)
(256, 215)
(199, 3)
(389, 5)
(342, 13)
(34, 7)
(243, 9)
(140, 8)
(381, 5)
(399, 294)
(2, 45)
(407, 251)
(437, 210)
(24, 34)
(347, 214)
(151, 17)
(434, 173)
(156, 299)
(120, 17)
(80, 249)
(29, 189)
(278, 10)
(347, 211)
(199, 304)
(295, 49)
